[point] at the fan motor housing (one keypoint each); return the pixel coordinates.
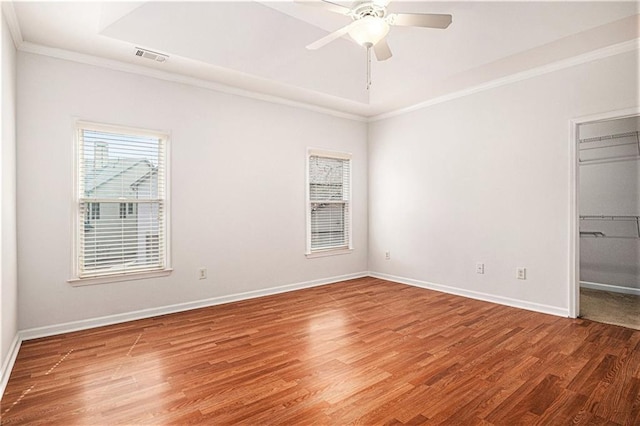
(368, 8)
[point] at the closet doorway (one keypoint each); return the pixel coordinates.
(608, 203)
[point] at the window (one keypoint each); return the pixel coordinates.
(328, 202)
(126, 209)
(122, 202)
(94, 211)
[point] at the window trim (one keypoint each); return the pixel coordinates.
(75, 279)
(311, 254)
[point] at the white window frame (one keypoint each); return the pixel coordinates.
(76, 278)
(309, 253)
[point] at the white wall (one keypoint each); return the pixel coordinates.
(485, 178)
(237, 189)
(611, 188)
(8, 265)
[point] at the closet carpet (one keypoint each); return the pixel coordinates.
(610, 308)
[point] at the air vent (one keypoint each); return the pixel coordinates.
(148, 54)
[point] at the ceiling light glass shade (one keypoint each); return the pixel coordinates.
(371, 30)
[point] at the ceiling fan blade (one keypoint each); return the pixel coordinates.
(326, 5)
(382, 51)
(428, 20)
(332, 36)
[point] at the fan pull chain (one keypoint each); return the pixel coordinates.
(368, 67)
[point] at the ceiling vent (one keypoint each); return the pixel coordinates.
(148, 54)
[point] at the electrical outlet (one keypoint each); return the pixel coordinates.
(479, 268)
(203, 273)
(521, 273)
(387, 255)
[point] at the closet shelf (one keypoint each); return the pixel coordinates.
(611, 218)
(615, 147)
(609, 137)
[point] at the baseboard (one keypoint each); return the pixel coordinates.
(610, 287)
(51, 330)
(515, 303)
(7, 366)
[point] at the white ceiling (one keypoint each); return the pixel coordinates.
(260, 46)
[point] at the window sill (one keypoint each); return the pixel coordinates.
(326, 253)
(131, 276)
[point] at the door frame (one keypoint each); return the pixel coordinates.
(574, 201)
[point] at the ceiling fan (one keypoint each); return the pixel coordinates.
(371, 24)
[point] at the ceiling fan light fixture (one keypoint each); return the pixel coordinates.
(371, 30)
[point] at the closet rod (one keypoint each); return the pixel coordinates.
(605, 160)
(608, 237)
(609, 146)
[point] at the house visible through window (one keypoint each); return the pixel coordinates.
(328, 202)
(121, 201)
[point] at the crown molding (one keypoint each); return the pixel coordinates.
(29, 47)
(115, 65)
(12, 22)
(605, 52)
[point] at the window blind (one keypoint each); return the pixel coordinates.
(122, 201)
(329, 202)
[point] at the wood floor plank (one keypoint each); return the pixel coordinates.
(363, 351)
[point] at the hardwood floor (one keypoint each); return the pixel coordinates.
(365, 351)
